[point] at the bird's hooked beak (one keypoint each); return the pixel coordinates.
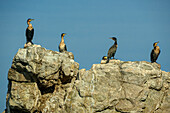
(113, 38)
(105, 57)
(29, 20)
(64, 34)
(156, 43)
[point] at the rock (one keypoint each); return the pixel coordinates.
(35, 69)
(45, 81)
(124, 106)
(24, 96)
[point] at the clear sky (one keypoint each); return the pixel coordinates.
(89, 24)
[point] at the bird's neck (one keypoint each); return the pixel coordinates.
(115, 43)
(62, 38)
(29, 26)
(156, 47)
(28, 23)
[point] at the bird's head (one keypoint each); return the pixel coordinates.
(104, 58)
(63, 34)
(114, 38)
(29, 20)
(155, 44)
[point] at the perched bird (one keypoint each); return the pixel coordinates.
(112, 50)
(62, 46)
(29, 31)
(155, 52)
(104, 59)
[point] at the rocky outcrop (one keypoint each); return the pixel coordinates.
(125, 87)
(45, 81)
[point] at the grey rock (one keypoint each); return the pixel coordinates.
(45, 81)
(124, 106)
(24, 96)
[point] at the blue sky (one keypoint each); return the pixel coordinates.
(137, 24)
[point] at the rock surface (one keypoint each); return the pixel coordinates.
(45, 81)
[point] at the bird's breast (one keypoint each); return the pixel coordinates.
(30, 28)
(157, 50)
(62, 45)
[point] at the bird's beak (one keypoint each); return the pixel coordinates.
(64, 34)
(158, 42)
(110, 38)
(32, 19)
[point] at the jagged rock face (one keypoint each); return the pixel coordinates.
(125, 87)
(44, 81)
(37, 73)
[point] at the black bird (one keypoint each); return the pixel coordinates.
(155, 52)
(62, 46)
(112, 50)
(104, 59)
(29, 31)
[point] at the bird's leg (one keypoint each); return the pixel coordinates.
(32, 43)
(107, 60)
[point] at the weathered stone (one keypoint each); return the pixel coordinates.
(24, 96)
(153, 101)
(156, 84)
(45, 81)
(132, 91)
(124, 106)
(16, 76)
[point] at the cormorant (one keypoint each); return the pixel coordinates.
(112, 50)
(104, 59)
(62, 46)
(155, 52)
(29, 31)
